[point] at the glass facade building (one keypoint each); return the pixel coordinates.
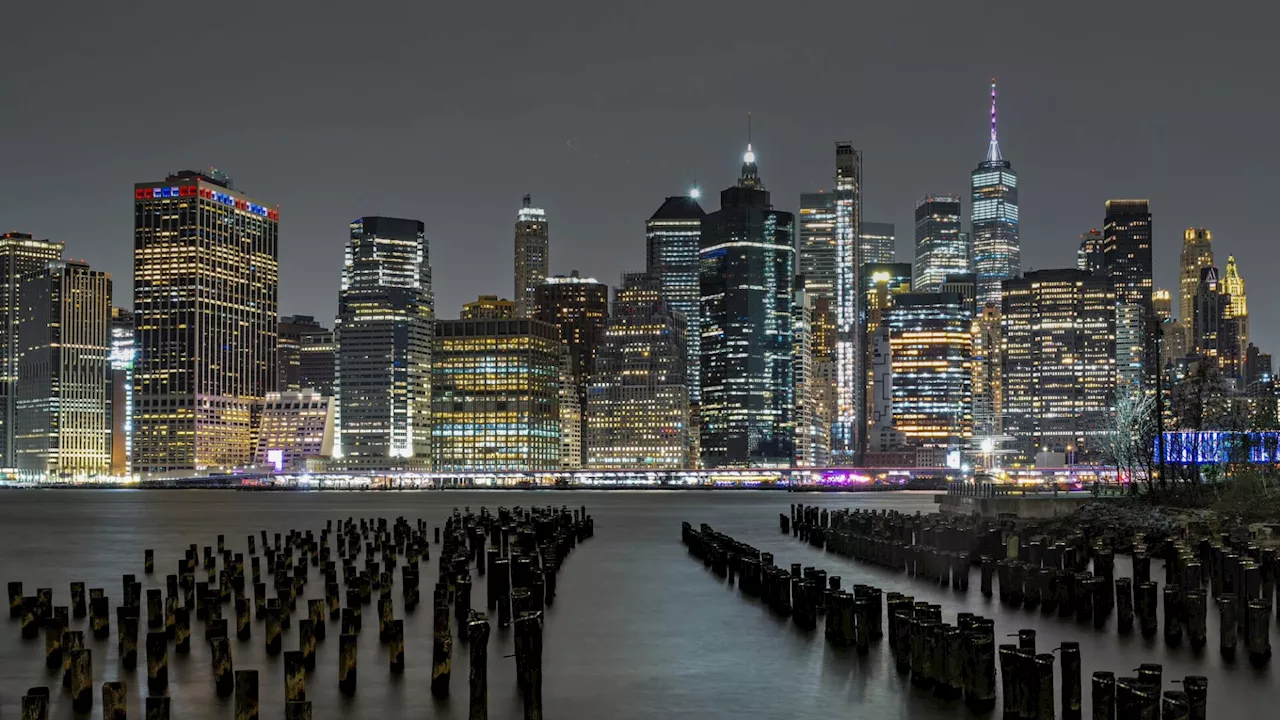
(879, 243)
(931, 348)
(747, 272)
(532, 255)
(672, 237)
(289, 350)
(495, 386)
(637, 408)
(295, 427)
(1090, 257)
(881, 283)
(206, 302)
(1196, 255)
(1059, 346)
(20, 254)
(1126, 250)
(994, 195)
(317, 359)
(942, 249)
(579, 308)
(844, 435)
(384, 333)
(816, 243)
(123, 353)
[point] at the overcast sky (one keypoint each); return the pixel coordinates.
(449, 113)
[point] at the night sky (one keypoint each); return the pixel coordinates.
(450, 112)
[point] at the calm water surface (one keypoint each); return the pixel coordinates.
(638, 628)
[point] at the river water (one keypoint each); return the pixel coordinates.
(638, 629)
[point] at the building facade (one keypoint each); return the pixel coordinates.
(942, 248)
(495, 395)
(205, 300)
(20, 254)
(844, 436)
(579, 308)
(997, 254)
(296, 427)
(64, 374)
(747, 272)
(572, 397)
(1059, 340)
(816, 244)
(384, 334)
(488, 307)
(1090, 257)
(532, 255)
(878, 243)
(317, 361)
(1126, 248)
(1213, 328)
(123, 353)
(931, 346)
(880, 284)
(289, 350)
(1238, 308)
(637, 404)
(1196, 255)
(672, 238)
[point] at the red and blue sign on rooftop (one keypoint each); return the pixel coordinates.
(192, 191)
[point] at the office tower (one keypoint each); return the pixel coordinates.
(637, 410)
(816, 254)
(488, 307)
(988, 366)
(317, 361)
(996, 251)
(205, 302)
(941, 248)
(1130, 325)
(1175, 342)
(1126, 248)
(1162, 304)
(672, 238)
(296, 427)
(747, 272)
(579, 308)
(878, 243)
(880, 283)
(812, 435)
(1214, 331)
(571, 397)
(1238, 308)
(533, 255)
(1257, 369)
(1197, 254)
(965, 285)
(63, 401)
(123, 354)
(844, 436)
(495, 386)
(1059, 344)
(1090, 257)
(931, 346)
(20, 254)
(289, 350)
(384, 333)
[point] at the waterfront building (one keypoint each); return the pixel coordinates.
(384, 334)
(811, 449)
(1130, 327)
(123, 354)
(495, 395)
(532, 255)
(289, 350)
(205, 302)
(579, 308)
(297, 428)
(63, 402)
(747, 271)
(20, 254)
(571, 399)
(994, 195)
(931, 346)
(941, 247)
(317, 358)
(672, 237)
(488, 307)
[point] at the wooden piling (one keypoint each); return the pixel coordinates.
(157, 661)
(1104, 696)
(224, 678)
(157, 708)
(15, 600)
(1197, 689)
(182, 630)
(528, 647)
(395, 645)
(246, 689)
(347, 663)
(442, 644)
(1227, 625)
(128, 623)
(295, 688)
(78, 605)
(1257, 632)
(307, 642)
(115, 701)
(53, 631)
(273, 627)
(82, 680)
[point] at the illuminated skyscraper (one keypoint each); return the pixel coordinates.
(812, 434)
(672, 236)
(931, 342)
(579, 308)
(1090, 257)
(317, 361)
(123, 354)
(878, 243)
(495, 395)
(817, 246)
(205, 301)
(1238, 309)
(941, 248)
(1126, 248)
(64, 375)
(996, 251)
(384, 333)
(988, 366)
(747, 273)
(1059, 341)
(637, 410)
(289, 350)
(1162, 303)
(532, 255)
(571, 398)
(1197, 254)
(488, 307)
(295, 427)
(881, 283)
(1214, 329)
(844, 436)
(20, 254)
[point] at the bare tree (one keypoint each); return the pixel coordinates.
(1128, 443)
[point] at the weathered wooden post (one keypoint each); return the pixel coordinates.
(157, 661)
(1104, 696)
(78, 605)
(528, 646)
(347, 643)
(442, 644)
(273, 627)
(1010, 686)
(478, 641)
(115, 701)
(155, 608)
(1257, 632)
(53, 632)
(246, 706)
(224, 678)
(182, 630)
(1147, 606)
(82, 680)
(148, 561)
(30, 618)
(1227, 625)
(1071, 679)
(1197, 689)
(295, 686)
(15, 600)
(297, 710)
(157, 708)
(128, 622)
(307, 642)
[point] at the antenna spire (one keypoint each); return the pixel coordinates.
(993, 148)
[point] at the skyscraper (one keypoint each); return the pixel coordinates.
(812, 435)
(1238, 309)
(817, 245)
(996, 252)
(932, 351)
(747, 271)
(123, 354)
(1059, 341)
(881, 283)
(494, 395)
(205, 300)
(289, 350)
(579, 308)
(20, 254)
(384, 332)
(296, 427)
(849, 261)
(941, 247)
(488, 307)
(64, 375)
(532, 255)
(1090, 257)
(637, 409)
(1214, 328)
(672, 237)
(1197, 254)
(1126, 249)
(317, 361)
(878, 243)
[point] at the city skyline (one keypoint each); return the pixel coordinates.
(599, 154)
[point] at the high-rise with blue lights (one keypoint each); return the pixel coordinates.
(672, 238)
(844, 435)
(996, 253)
(942, 247)
(747, 273)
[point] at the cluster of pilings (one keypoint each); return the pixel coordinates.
(1069, 576)
(1141, 696)
(529, 547)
